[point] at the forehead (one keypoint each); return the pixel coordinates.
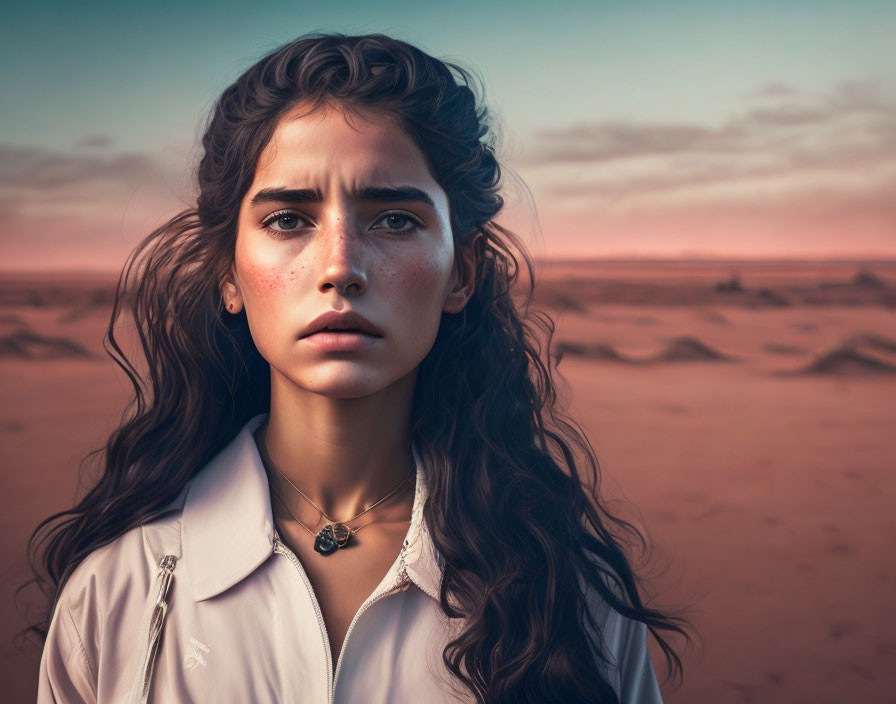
(359, 147)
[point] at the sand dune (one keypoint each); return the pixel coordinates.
(862, 279)
(25, 344)
(12, 320)
(873, 341)
(90, 293)
(847, 360)
(687, 349)
(578, 286)
(562, 301)
(861, 354)
(679, 349)
(770, 297)
(598, 350)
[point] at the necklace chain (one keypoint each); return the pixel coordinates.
(352, 529)
(323, 513)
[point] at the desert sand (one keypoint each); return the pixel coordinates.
(743, 414)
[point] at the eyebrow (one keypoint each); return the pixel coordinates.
(388, 194)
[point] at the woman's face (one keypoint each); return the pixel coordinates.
(324, 227)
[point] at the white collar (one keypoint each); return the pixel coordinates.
(227, 528)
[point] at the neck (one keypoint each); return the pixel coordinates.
(343, 453)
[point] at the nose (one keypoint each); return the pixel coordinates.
(340, 257)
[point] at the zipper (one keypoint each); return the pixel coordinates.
(402, 580)
(280, 546)
(157, 620)
(332, 678)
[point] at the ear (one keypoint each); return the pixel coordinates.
(230, 292)
(463, 279)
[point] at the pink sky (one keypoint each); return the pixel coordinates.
(792, 174)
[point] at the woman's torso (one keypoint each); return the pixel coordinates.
(244, 622)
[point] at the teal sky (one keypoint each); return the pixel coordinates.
(138, 78)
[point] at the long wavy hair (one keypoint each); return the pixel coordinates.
(521, 531)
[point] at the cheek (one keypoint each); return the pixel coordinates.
(264, 278)
(419, 285)
(420, 277)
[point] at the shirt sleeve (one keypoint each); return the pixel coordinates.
(637, 680)
(66, 674)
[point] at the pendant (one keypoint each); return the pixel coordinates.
(332, 537)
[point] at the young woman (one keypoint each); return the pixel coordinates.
(351, 483)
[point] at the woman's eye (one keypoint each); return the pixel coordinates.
(281, 223)
(400, 222)
(285, 221)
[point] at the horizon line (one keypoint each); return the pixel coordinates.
(849, 259)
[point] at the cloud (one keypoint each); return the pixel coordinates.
(766, 126)
(841, 143)
(776, 89)
(789, 171)
(35, 170)
(82, 207)
(96, 141)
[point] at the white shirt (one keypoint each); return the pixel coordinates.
(243, 624)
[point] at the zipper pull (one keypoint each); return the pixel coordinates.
(165, 575)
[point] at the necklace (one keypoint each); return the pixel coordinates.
(336, 534)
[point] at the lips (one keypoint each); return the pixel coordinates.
(345, 321)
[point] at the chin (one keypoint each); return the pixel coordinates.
(358, 382)
(347, 385)
(347, 391)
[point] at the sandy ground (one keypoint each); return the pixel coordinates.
(751, 434)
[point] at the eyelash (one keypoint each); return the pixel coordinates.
(283, 234)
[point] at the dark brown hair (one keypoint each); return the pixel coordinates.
(511, 515)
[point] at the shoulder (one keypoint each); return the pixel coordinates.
(124, 567)
(103, 588)
(111, 580)
(103, 597)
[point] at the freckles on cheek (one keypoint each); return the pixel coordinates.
(419, 285)
(267, 281)
(421, 278)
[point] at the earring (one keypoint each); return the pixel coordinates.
(230, 307)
